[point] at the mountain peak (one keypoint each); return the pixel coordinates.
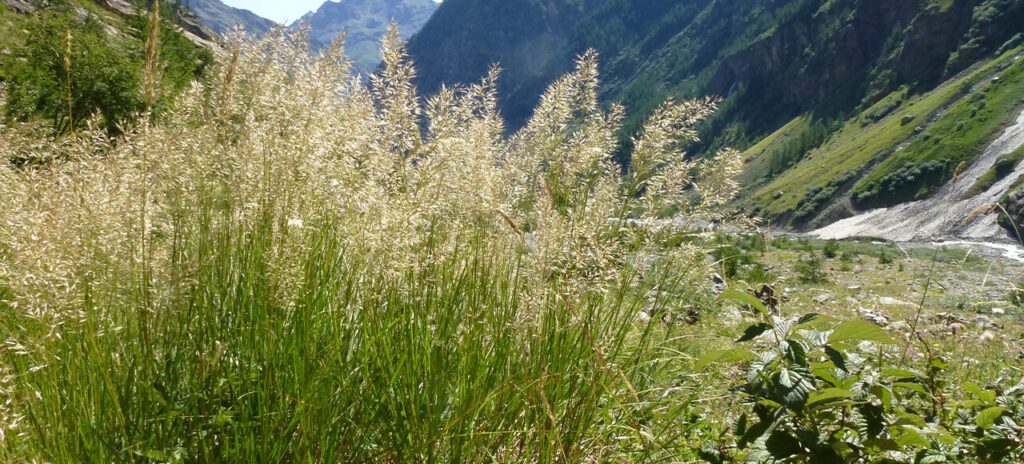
(365, 22)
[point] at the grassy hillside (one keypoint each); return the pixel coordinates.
(885, 142)
(770, 61)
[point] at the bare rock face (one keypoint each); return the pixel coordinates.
(222, 18)
(20, 6)
(194, 27)
(124, 7)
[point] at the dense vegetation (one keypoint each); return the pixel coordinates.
(295, 266)
(72, 68)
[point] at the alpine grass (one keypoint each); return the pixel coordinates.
(292, 265)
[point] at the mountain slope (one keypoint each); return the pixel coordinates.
(222, 18)
(365, 22)
(526, 37)
(792, 74)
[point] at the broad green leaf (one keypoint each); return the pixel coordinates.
(826, 372)
(934, 458)
(744, 298)
(827, 395)
(836, 357)
(796, 351)
(872, 422)
(989, 416)
(726, 356)
(885, 444)
(753, 331)
(739, 427)
(859, 330)
(972, 389)
(911, 386)
(794, 386)
(782, 445)
(911, 437)
(906, 418)
(807, 318)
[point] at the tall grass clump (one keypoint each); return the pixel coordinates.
(297, 266)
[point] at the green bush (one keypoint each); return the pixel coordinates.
(831, 249)
(104, 77)
(884, 257)
(810, 268)
(911, 181)
(813, 396)
(817, 197)
(105, 69)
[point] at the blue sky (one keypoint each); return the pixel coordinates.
(284, 11)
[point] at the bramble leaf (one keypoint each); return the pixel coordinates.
(754, 331)
(859, 330)
(744, 298)
(988, 417)
(827, 395)
(836, 357)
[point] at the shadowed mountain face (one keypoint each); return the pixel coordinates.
(841, 105)
(222, 18)
(365, 22)
(771, 59)
(529, 38)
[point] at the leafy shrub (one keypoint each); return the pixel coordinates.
(810, 268)
(1016, 295)
(757, 273)
(817, 197)
(911, 181)
(812, 395)
(831, 249)
(731, 259)
(884, 257)
(105, 74)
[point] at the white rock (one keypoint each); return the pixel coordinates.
(890, 301)
(900, 326)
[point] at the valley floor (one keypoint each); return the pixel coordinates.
(973, 284)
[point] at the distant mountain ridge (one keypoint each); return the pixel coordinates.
(222, 18)
(365, 22)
